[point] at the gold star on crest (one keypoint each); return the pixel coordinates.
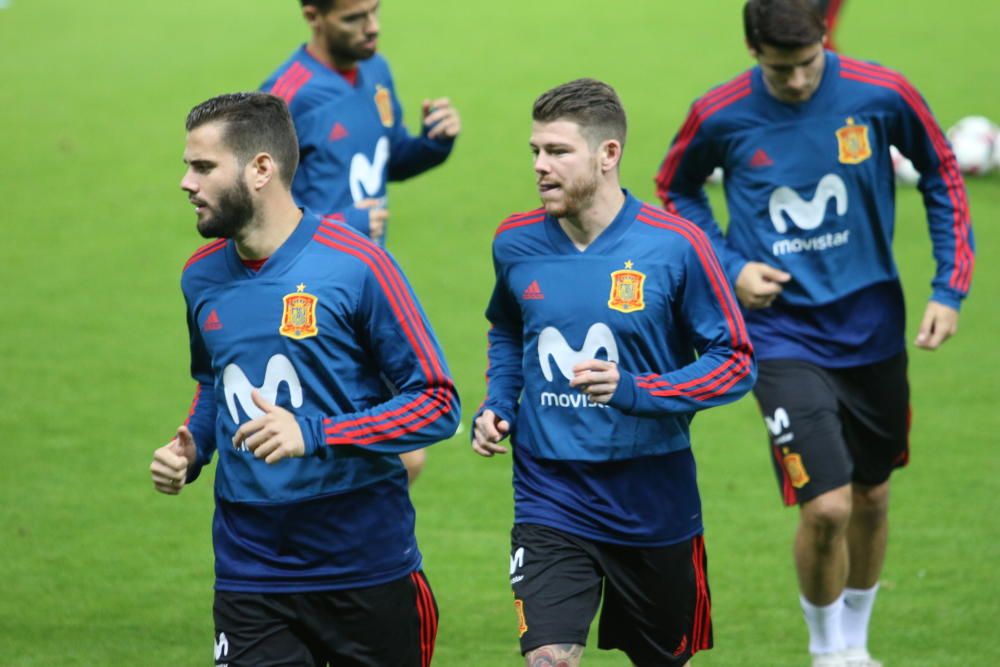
(628, 264)
(301, 287)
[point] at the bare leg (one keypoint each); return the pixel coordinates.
(554, 655)
(868, 534)
(821, 555)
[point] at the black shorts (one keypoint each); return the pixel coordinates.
(657, 607)
(833, 426)
(388, 624)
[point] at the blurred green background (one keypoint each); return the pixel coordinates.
(101, 570)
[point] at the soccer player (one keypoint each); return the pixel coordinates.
(349, 120)
(804, 140)
(612, 324)
(350, 124)
(295, 325)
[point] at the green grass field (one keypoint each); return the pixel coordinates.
(98, 569)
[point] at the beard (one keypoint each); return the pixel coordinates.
(234, 211)
(343, 53)
(577, 196)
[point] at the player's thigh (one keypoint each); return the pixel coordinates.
(254, 630)
(875, 406)
(389, 624)
(799, 404)
(657, 604)
(556, 584)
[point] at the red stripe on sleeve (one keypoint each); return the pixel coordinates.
(964, 258)
(430, 404)
(704, 107)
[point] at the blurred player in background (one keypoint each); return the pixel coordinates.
(804, 141)
(349, 122)
(612, 324)
(295, 323)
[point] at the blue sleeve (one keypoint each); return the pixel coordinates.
(201, 416)
(410, 155)
(725, 368)
(504, 373)
(425, 406)
(918, 136)
(680, 185)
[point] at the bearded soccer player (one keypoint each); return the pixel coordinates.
(349, 121)
(804, 139)
(350, 124)
(295, 323)
(612, 324)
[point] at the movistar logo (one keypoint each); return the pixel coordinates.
(237, 387)
(221, 647)
(552, 345)
(786, 204)
(779, 423)
(366, 176)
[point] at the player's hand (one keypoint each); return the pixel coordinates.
(939, 324)
(378, 216)
(273, 436)
(171, 462)
(441, 119)
(487, 432)
(597, 379)
(759, 284)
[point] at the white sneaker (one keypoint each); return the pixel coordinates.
(859, 657)
(829, 659)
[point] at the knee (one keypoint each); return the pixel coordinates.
(871, 501)
(827, 516)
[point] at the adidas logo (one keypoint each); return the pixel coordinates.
(212, 322)
(761, 159)
(338, 132)
(533, 291)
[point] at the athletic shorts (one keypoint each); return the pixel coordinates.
(833, 426)
(388, 624)
(657, 607)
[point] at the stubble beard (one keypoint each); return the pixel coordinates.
(233, 213)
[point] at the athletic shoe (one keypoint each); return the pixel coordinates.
(859, 657)
(829, 660)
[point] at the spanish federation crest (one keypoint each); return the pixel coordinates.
(626, 290)
(298, 321)
(797, 474)
(383, 102)
(852, 143)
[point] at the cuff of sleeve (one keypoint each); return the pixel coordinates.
(733, 267)
(504, 413)
(624, 397)
(358, 218)
(194, 470)
(312, 434)
(949, 299)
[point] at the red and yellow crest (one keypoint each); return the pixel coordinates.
(852, 143)
(298, 321)
(383, 102)
(797, 474)
(626, 290)
(522, 624)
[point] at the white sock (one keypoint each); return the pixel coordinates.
(858, 604)
(824, 623)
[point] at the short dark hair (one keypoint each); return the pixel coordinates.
(591, 104)
(322, 6)
(783, 24)
(252, 123)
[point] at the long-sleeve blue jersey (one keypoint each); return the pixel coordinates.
(810, 190)
(647, 294)
(352, 139)
(330, 330)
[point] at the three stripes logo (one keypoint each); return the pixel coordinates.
(212, 322)
(533, 292)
